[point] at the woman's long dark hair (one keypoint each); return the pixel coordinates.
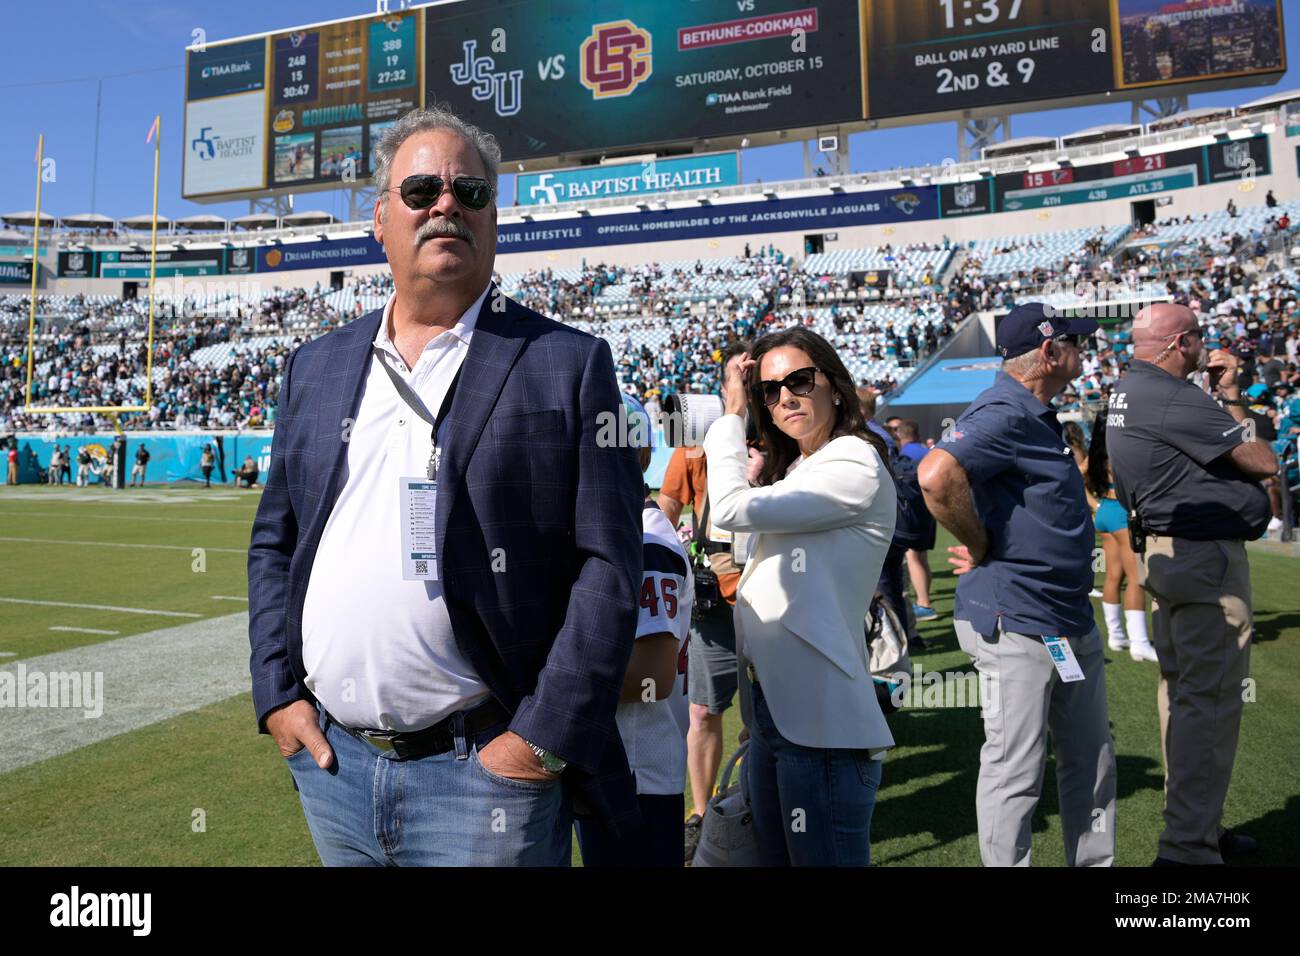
(781, 448)
(1097, 477)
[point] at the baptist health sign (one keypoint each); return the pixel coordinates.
(627, 179)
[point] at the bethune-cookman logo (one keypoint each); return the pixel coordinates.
(504, 88)
(964, 195)
(616, 58)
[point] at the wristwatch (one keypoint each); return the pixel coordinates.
(550, 762)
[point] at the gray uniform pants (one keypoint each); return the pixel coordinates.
(1202, 617)
(1029, 701)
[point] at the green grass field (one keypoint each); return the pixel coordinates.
(203, 788)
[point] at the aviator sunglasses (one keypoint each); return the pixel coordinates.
(800, 382)
(422, 191)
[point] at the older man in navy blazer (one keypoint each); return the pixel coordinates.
(443, 567)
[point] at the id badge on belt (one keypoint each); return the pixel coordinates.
(419, 497)
(1067, 665)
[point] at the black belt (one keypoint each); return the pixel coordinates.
(717, 547)
(438, 739)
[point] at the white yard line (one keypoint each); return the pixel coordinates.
(137, 497)
(82, 516)
(100, 607)
(82, 630)
(124, 544)
(229, 597)
(146, 678)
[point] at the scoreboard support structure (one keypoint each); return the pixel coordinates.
(973, 135)
(1158, 109)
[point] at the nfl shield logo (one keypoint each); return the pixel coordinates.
(1045, 328)
(1236, 155)
(964, 195)
(239, 258)
(76, 262)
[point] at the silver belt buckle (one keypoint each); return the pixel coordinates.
(381, 740)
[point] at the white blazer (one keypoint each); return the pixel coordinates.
(819, 540)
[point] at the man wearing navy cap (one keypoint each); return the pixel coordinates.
(1004, 482)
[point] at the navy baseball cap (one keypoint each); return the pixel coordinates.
(1028, 326)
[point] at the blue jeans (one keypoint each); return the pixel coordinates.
(371, 809)
(812, 806)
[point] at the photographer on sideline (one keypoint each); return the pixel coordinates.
(1188, 473)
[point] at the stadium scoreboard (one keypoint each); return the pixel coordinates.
(558, 80)
(939, 56)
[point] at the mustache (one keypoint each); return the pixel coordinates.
(436, 228)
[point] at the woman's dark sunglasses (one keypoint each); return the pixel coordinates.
(801, 381)
(422, 191)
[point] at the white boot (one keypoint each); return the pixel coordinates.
(1140, 648)
(1116, 639)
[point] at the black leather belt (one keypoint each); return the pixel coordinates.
(717, 547)
(438, 739)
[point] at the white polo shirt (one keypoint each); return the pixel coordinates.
(379, 650)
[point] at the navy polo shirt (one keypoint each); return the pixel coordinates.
(1029, 496)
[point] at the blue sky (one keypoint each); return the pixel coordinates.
(51, 55)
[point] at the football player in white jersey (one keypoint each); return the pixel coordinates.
(652, 736)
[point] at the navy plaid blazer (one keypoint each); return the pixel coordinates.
(552, 635)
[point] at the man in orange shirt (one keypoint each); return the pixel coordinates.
(711, 653)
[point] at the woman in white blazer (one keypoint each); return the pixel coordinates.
(822, 516)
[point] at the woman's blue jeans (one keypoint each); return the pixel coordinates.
(812, 806)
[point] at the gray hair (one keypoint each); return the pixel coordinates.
(425, 121)
(1022, 367)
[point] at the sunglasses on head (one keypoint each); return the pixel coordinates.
(801, 381)
(422, 191)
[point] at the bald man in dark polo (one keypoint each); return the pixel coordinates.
(1188, 472)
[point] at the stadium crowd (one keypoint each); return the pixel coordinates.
(217, 361)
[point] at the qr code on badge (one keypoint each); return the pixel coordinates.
(421, 567)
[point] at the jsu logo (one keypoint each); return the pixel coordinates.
(615, 58)
(504, 88)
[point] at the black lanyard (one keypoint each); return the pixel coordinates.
(413, 400)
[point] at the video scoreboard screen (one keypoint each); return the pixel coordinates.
(941, 56)
(936, 56)
(336, 89)
(307, 111)
(571, 75)
(304, 108)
